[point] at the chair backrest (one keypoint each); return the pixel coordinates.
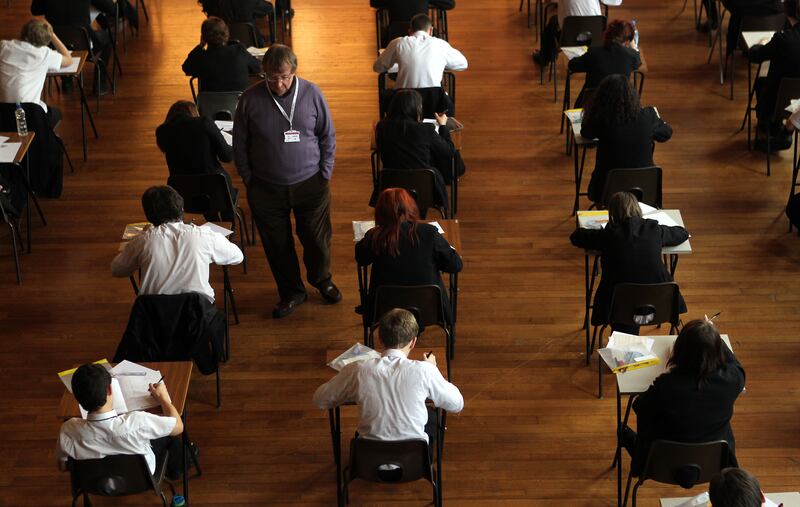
(684, 464)
(206, 194)
(420, 183)
(74, 37)
(115, 475)
(390, 462)
(576, 28)
(644, 182)
(645, 304)
(244, 33)
(425, 301)
(434, 99)
(788, 90)
(218, 105)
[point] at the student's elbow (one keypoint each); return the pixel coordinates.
(178, 429)
(66, 61)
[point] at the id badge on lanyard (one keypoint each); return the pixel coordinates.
(291, 135)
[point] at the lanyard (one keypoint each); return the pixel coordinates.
(290, 116)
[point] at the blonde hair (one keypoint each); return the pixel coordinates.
(622, 206)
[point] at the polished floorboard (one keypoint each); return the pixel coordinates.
(532, 431)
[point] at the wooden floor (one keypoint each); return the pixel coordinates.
(532, 431)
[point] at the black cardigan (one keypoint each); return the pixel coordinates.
(631, 252)
(221, 68)
(601, 61)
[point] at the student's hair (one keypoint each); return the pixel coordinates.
(420, 22)
(698, 350)
(614, 103)
(181, 108)
(406, 104)
(36, 32)
(619, 31)
(277, 56)
(735, 487)
(394, 207)
(90, 386)
(397, 328)
(162, 204)
(622, 206)
(214, 31)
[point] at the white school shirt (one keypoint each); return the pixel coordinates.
(23, 70)
(578, 8)
(390, 393)
(174, 258)
(101, 435)
(422, 60)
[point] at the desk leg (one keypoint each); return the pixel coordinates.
(577, 178)
(588, 295)
(673, 264)
(28, 195)
(336, 433)
(618, 452)
(185, 440)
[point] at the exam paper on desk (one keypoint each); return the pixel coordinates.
(8, 152)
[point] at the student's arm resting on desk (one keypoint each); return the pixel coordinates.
(442, 393)
(364, 254)
(127, 261)
(241, 141)
(340, 389)
(326, 136)
(763, 52)
(447, 259)
(385, 61)
(673, 235)
(661, 130)
(580, 63)
(224, 252)
(455, 59)
(163, 425)
(588, 239)
(220, 148)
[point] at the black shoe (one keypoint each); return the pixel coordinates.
(539, 58)
(286, 307)
(329, 292)
(776, 143)
(706, 26)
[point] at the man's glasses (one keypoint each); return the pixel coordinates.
(283, 79)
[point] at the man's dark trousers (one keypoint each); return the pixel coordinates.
(271, 205)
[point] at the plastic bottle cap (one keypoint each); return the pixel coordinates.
(178, 501)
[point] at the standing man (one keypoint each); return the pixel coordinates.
(284, 146)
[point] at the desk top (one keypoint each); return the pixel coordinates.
(177, 375)
(74, 69)
(452, 231)
(26, 141)
(575, 118)
(684, 248)
(787, 499)
(638, 381)
(755, 37)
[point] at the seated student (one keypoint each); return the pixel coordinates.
(218, 66)
(241, 11)
(400, 11)
(173, 256)
(104, 432)
(625, 131)
(109, 7)
(24, 65)
(735, 487)
(403, 251)
(405, 142)
(192, 143)
(692, 402)
(741, 8)
(391, 391)
(617, 55)
(630, 249)
(552, 30)
(783, 54)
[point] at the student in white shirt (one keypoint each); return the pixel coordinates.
(421, 58)
(104, 432)
(24, 65)
(391, 391)
(173, 256)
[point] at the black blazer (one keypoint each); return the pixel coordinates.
(601, 61)
(64, 12)
(783, 53)
(193, 145)
(625, 146)
(404, 144)
(246, 10)
(419, 263)
(631, 252)
(676, 408)
(221, 68)
(401, 12)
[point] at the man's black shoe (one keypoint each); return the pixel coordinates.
(776, 143)
(286, 307)
(329, 292)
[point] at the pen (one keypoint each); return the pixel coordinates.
(131, 374)
(428, 354)
(159, 381)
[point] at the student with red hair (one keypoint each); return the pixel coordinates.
(403, 251)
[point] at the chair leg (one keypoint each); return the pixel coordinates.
(219, 400)
(769, 152)
(627, 489)
(163, 499)
(14, 239)
(633, 496)
(66, 154)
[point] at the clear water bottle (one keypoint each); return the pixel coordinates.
(22, 123)
(635, 33)
(178, 501)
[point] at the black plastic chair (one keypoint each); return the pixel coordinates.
(435, 99)
(392, 462)
(638, 304)
(12, 221)
(577, 31)
(218, 105)
(117, 475)
(788, 90)
(684, 465)
(420, 183)
(244, 33)
(644, 183)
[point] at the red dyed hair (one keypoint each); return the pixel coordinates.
(394, 206)
(619, 31)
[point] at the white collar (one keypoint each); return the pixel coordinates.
(395, 353)
(102, 416)
(421, 33)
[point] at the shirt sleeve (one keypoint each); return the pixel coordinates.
(190, 65)
(127, 261)
(385, 61)
(455, 59)
(54, 59)
(326, 136)
(442, 393)
(447, 259)
(241, 140)
(224, 252)
(340, 389)
(673, 235)
(151, 426)
(589, 239)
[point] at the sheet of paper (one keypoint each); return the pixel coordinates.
(228, 138)
(619, 340)
(8, 152)
(757, 37)
(71, 68)
(357, 352)
(574, 51)
(118, 399)
(646, 208)
(438, 227)
(433, 122)
(216, 228)
(596, 219)
(135, 229)
(662, 218)
(792, 107)
(135, 386)
(360, 228)
(4, 139)
(574, 115)
(224, 125)
(257, 52)
(700, 500)
(66, 375)
(769, 503)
